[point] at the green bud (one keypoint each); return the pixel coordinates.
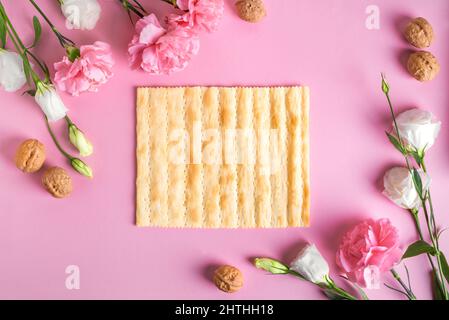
(79, 140)
(82, 167)
(271, 265)
(385, 86)
(73, 53)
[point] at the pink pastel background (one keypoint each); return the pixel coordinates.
(323, 44)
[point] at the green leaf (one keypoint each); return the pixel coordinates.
(417, 181)
(417, 248)
(395, 142)
(2, 32)
(37, 31)
(444, 266)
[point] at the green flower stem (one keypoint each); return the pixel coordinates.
(64, 41)
(23, 55)
(421, 237)
(429, 197)
(131, 8)
(20, 47)
(330, 284)
(55, 140)
(414, 213)
(5, 16)
(43, 16)
(333, 286)
(409, 293)
(41, 65)
(435, 244)
(68, 120)
(395, 124)
(18, 44)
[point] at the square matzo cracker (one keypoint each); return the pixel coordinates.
(219, 157)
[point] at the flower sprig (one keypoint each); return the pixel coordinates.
(42, 89)
(73, 51)
(162, 50)
(76, 163)
(82, 69)
(406, 288)
(417, 150)
(309, 266)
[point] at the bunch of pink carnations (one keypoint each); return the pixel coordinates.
(158, 49)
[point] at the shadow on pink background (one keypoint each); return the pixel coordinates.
(323, 44)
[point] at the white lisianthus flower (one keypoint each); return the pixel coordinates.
(81, 14)
(311, 265)
(399, 187)
(418, 128)
(50, 102)
(12, 75)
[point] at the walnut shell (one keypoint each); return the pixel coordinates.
(251, 10)
(30, 156)
(228, 279)
(57, 182)
(419, 33)
(423, 66)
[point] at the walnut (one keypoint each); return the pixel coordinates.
(30, 156)
(228, 279)
(57, 182)
(423, 66)
(251, 10)
(419, 33)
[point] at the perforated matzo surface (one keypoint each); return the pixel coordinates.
(216, 157)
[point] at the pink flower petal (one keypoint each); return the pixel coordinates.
(86, 73)
(370, 246)
(158, 51)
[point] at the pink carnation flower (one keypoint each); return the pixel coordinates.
(201, 15)
(368, 250)
(158, 51)
(90, 70)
